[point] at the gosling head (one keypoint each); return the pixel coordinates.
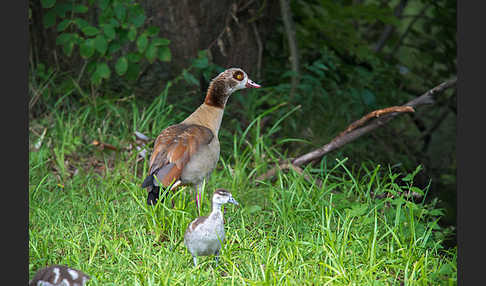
(223, 196)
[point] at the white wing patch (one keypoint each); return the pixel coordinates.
(73, 273)
(44, 283)
(57, 273)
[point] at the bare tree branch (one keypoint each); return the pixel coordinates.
(409, 28)
(260, 50)
(357, 128)
(294, 52)
(389, 28)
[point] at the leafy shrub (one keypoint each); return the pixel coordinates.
(115, 40)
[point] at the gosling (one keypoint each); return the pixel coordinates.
(205, 234)
(59, 275)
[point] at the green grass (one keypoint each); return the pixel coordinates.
(287, 231)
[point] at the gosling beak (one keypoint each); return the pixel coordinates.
(251, 84)
(233, 201)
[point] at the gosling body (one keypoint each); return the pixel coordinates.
(204, 235)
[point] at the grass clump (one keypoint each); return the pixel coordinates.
(87, 210)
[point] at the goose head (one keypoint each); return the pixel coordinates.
(224, 84)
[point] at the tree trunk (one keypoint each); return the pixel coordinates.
(222, 26)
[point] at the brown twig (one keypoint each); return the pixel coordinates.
(376, 114)
(102, 146)
(357, 128)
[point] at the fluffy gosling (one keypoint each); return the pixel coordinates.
(205, 234)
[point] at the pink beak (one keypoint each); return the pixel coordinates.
(251, 84)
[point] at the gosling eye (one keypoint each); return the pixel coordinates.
(238, 76)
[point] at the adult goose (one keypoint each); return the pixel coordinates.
(187, 153)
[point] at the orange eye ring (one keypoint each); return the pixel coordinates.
(239, 76)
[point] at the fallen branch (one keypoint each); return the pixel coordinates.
(101, 146)
(358, 128)
(407, 194)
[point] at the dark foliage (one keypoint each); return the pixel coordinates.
(355, 56)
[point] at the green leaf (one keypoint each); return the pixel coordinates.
(152, 30)
(134, 57)
(190, 78)
(80, 9)
(138, 20)
(368, 97)
(120, 11)
(64, 38)
(103, 70)
(132, 72)
(409, 177)
(109, 31)
(48, 3)
(95, 78)
(417, 190)
(132, 33)
(63, 25)
(151, 53)
(201, 63)
(142, 43)
(90, 67)
(68, 48)
(90, 31)
(161, 41)
(49, 19)
(164, 54)
(100, 44)
(113, 47)
(61, 8)
(81, 23)
(114, 22)
(121, 66)
(103, 4)
(86, 49)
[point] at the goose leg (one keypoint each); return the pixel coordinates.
(199, 189)
(194, 259)
(153, 196)
(217, 257)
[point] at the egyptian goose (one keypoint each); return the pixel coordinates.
(186, 153)
(59, 275)
(205, 234)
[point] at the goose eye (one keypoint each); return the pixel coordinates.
(238, 76)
